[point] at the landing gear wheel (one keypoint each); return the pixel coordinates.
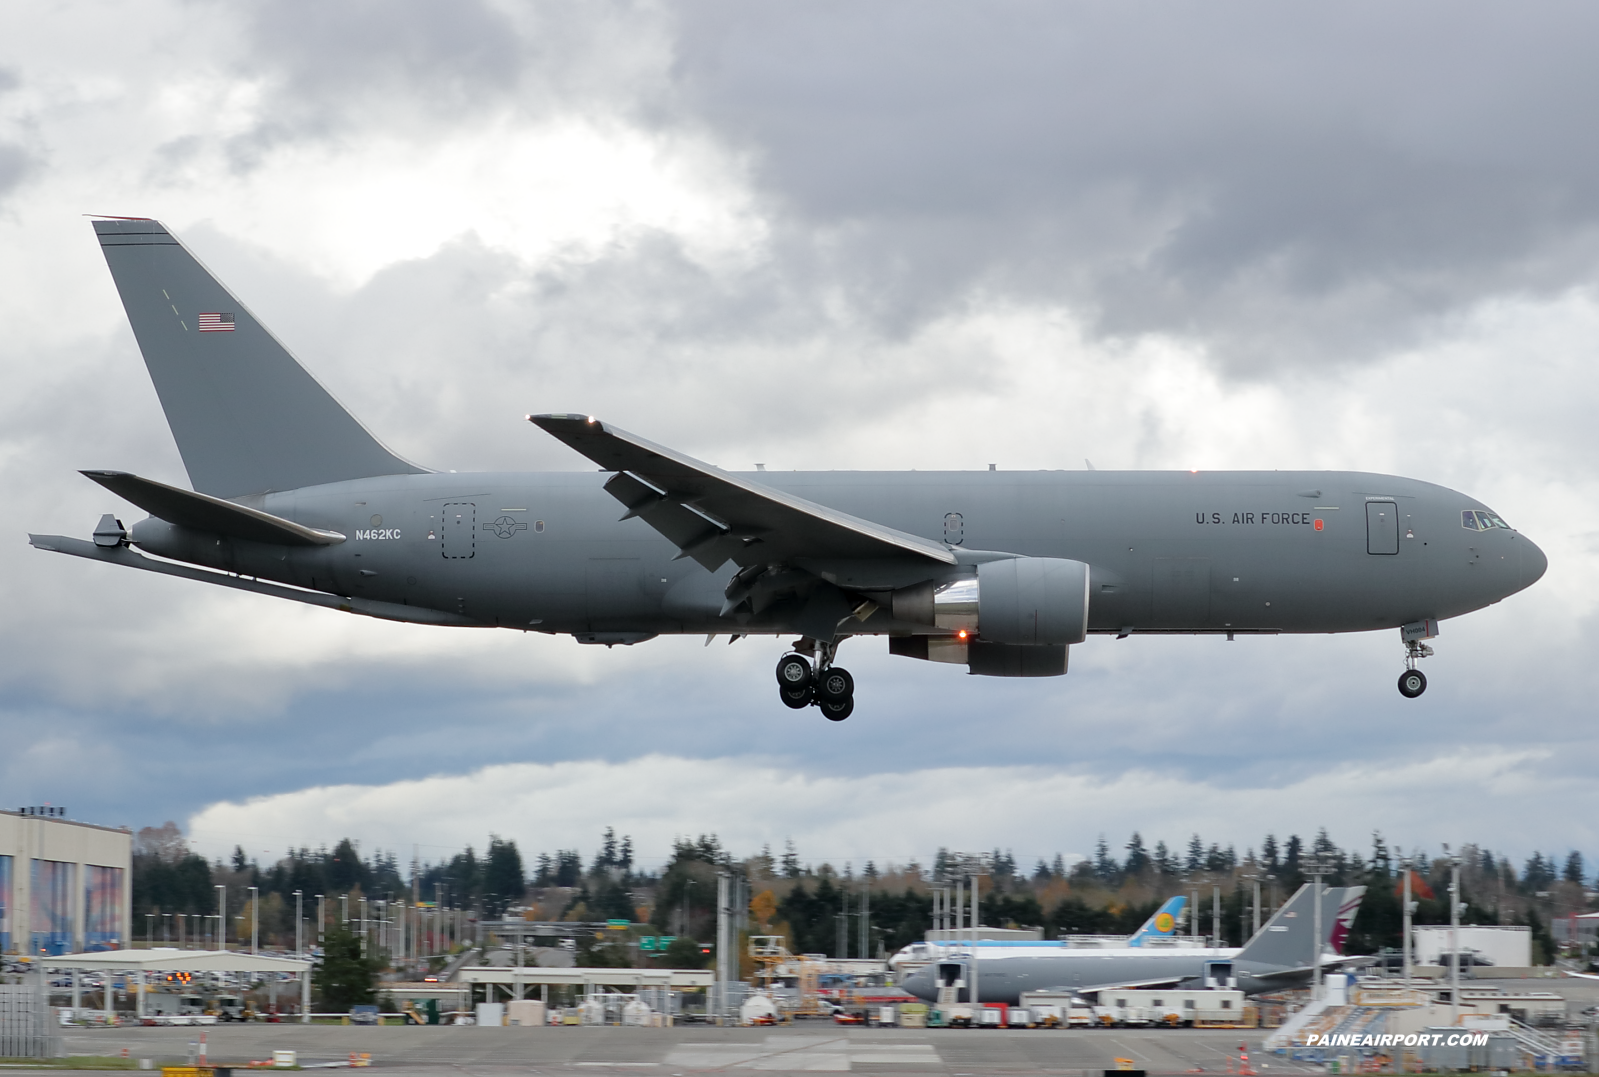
(835, 685)
(798, 698)
(793, 672)
(1412, 682)
(837, 710)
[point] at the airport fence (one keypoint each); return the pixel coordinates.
(26, 1030)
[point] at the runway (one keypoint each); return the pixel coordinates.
(805, 1048)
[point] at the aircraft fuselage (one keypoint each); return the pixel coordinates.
(1168, 551)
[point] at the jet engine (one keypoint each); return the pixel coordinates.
(1021, 613)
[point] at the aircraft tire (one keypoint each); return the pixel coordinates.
(837, 710)
(798, 698)
(1412, 682)
(835, 685)
(793, 672)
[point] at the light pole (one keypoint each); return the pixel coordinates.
(255, 919)
(1408, 908)
(1316, 868)
(149, 930)
(166, 927)
(319, 919)
(222, 918)
(299, 928)
(1455, 907)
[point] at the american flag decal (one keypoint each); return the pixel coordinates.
(216, 323)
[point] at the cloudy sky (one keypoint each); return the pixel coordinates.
(821, 235)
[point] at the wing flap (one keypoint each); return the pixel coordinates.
(202, 512)
(713, 516)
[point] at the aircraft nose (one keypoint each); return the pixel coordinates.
(1533, 562)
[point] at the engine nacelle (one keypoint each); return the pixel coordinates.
(1021, 601)
(1023, 612)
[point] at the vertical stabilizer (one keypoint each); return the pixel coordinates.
(1161, 925)
(1286, 938)
(247, 417)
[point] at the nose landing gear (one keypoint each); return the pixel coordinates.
(1413, 682)
(828, 687)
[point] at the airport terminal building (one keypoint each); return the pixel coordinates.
(64, 886)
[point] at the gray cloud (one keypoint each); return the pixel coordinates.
(1275, 182)
(15, 161)
(332, 70)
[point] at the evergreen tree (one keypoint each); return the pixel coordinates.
(568, 867)
(684, 953)
(1268, 854)
(503, 882)
(1105, 869)
(1573, 872)
(1058, 867)
(346, 870)
(791, 864)
(1041, 873)
(1196, 854)
(344, 978)
(1137, 859)
(1291, 856)
(1539, 874)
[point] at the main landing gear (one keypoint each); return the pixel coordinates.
(1413, 682)
(827, 687)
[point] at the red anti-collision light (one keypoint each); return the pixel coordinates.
(1318, 525)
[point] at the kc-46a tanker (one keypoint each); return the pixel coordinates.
(999, 571)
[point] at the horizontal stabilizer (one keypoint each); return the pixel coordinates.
(201, 512)
(121, 555)
(713, 516)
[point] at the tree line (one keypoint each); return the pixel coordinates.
(819, 907)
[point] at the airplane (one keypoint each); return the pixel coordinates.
(1162, 924)
(998, 571)
(1280, 956)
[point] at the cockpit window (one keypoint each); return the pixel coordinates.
(1477, 520)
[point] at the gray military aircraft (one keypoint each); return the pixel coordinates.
(998, 571)
(1282, 955)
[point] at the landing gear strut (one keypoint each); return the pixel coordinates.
(828, 687)
(1413, 682)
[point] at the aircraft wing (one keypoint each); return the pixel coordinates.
(715, 517)
(1128, 985)
(1328, 964)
